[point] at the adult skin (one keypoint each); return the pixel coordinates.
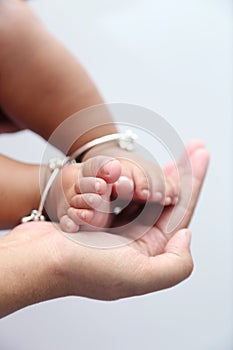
(38, 263)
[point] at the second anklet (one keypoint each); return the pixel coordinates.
(125, 141)
(55, 165)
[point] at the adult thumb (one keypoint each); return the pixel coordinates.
(171, 267)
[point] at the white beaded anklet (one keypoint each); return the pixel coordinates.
(125, 141)
(55, 165)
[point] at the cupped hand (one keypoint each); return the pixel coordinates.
(155, 261)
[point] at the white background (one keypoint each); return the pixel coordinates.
(174, 57)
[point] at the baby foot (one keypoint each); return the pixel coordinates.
(140, 179)
(143, 181)
(82, 193)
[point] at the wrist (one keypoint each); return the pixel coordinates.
(29, 266)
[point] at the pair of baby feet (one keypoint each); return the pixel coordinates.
(82, 196)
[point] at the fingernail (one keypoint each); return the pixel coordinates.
(126, 184)
(124, 178)
(168, 200)
(69, 224)
(98, 186)
(90, 199)
(145, 193)
(158, 196)
(107, 168)
(83, 215)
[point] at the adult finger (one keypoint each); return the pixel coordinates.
(174, 218)
(191, 147)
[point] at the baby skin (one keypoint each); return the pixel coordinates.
(81, 196)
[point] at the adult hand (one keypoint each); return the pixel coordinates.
(154, 261)
(43, 264)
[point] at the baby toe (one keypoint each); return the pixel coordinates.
(142, 184)
(68, 225)
(123, 188)
(111, 171)
(107, 168)
(86, 201)
(80, 216)
(90, 185)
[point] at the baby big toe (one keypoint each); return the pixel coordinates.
(110, 171)
(107, 168)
